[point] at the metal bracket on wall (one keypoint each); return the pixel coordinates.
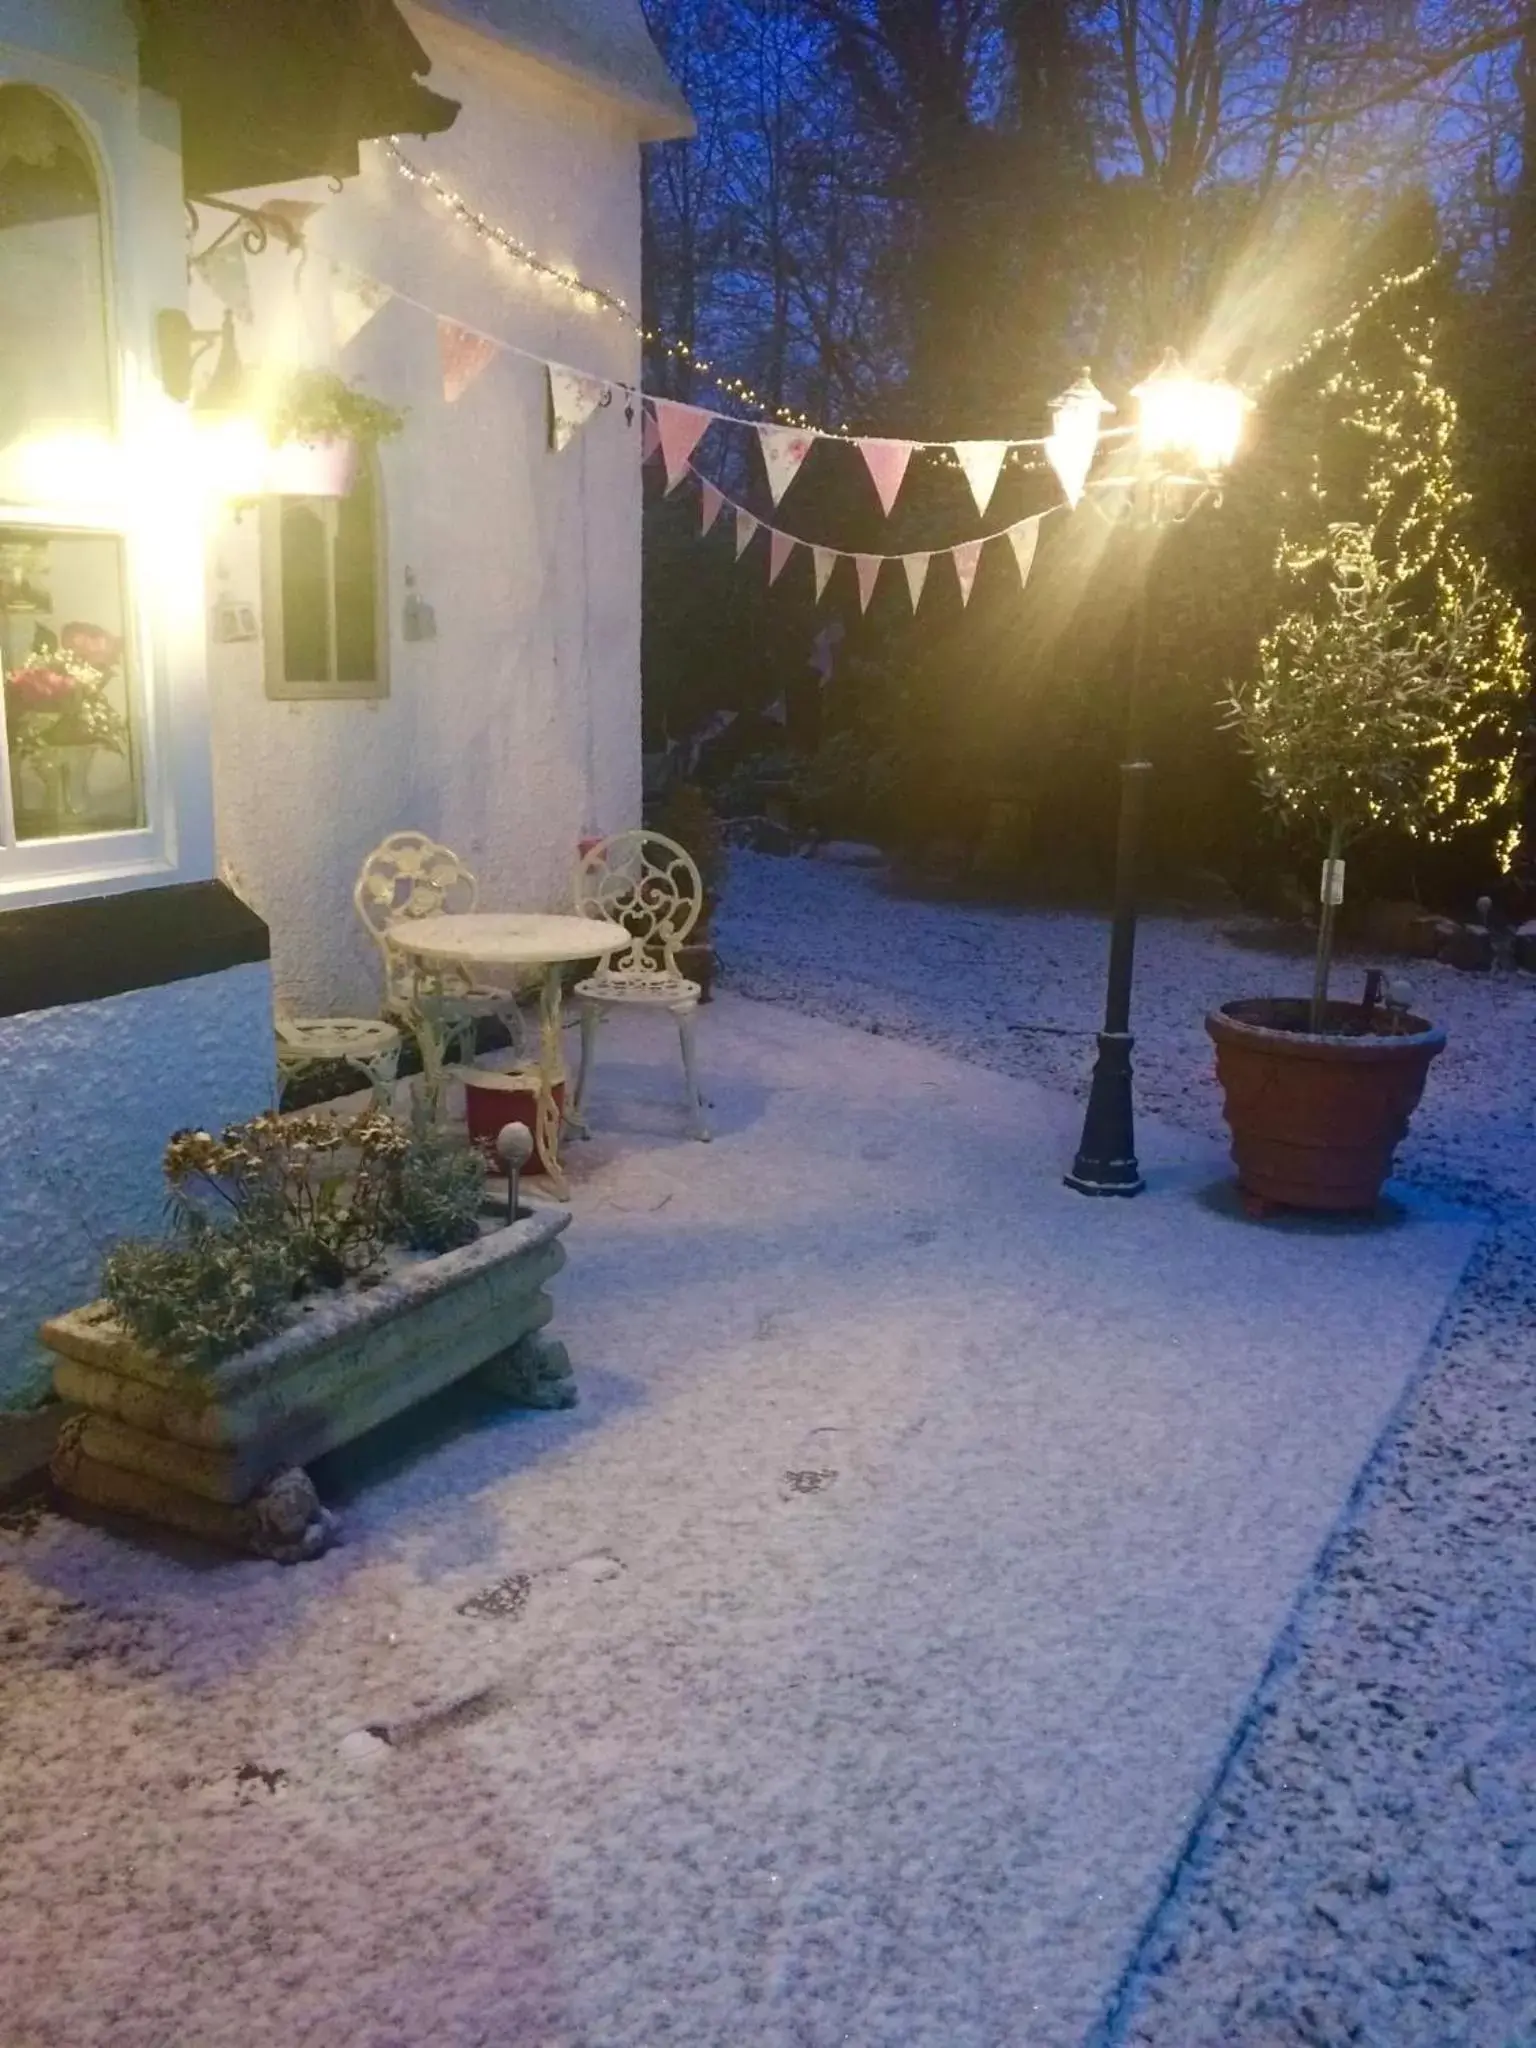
(255, 228)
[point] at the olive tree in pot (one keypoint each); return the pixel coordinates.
(1355, 719)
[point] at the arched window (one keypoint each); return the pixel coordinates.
(67, 717)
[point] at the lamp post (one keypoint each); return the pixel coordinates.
(1187, 433)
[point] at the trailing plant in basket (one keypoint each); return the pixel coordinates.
(277, 1207)
(317, 405)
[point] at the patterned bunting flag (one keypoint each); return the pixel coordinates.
(710, 502)
(916, 567)
(464, 355)
(784, 449)
(823, 561)
(967, 556)
(1024, 538)
(981, 461)
(681, 428)
(746, 526)
(354, 301)
(780, 547)
(573, 398)
(886, 462)
(868, 567)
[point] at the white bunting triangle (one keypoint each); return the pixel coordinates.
(780, 547)
(823, 561)
(354, 301)
(746, 526)
(886, 462)
(1024, 538)
(916, 567)
(967, 557)
(784, 449)
(982, 461)
(868, 567)
(710, 502)
(573, 398)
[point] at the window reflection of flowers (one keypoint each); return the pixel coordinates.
(58, 696)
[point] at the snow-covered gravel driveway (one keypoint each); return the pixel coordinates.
(1365, 1868)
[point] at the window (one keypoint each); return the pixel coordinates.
(69, 718)
(324, 622)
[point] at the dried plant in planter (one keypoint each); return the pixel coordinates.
(277, 1207)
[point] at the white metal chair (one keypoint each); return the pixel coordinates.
(409, 875)
(367, 1044)
(650, 885)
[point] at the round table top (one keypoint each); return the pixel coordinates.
(507, 938)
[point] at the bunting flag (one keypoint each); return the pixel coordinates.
(1023, 539)
(784, 449)
(981, 461)
(681, 428)
(354, 301)
(710, 502)
(822, 561)
(868, 567)
(650, 435)
(464, 354)
(1074, 437)
(223, 271)
(573, 398)
(916, 567)
(746, 526)
(887, 464)
(780, 547)
(967, 558)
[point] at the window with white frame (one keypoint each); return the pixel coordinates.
(323, 589)
(71, 747)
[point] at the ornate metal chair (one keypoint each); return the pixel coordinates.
(367, 1044)
(650, 885)
(407, 876)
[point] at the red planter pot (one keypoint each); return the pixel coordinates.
(493, 1100)
(1315, 1120)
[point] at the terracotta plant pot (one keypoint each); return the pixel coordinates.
(1315, 1120)
(314, 469)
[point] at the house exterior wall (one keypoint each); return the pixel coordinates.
(517, 729)
(90, 1090)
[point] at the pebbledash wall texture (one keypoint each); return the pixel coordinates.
(91, 1092)
(516, 729)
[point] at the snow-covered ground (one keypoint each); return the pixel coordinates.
(1365, 1869)
(1023, 992)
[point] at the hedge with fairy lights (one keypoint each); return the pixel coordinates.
(1392, 689)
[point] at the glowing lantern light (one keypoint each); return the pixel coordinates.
(1188, 419)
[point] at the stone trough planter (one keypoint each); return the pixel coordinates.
(220, 1454)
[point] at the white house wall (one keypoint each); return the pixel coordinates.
(517, 729)
(92, 1091)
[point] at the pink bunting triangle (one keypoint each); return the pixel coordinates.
(916, 567)
(746, 526)
(887, 464)
(650, 435)
(780, 547)
(681, 428)
(710, 502)
(784, 449)
(1024, 538)
(981, 461)
(463, 355)
(868, 567)
(967, 557)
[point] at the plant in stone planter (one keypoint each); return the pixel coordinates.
(318, 425)
(318, 1278)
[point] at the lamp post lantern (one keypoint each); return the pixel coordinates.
(1187, 433)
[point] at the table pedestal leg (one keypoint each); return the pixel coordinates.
(547, 1135)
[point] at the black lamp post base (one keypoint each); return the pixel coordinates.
(1106, 1159)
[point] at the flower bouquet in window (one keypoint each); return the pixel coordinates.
(58, 698)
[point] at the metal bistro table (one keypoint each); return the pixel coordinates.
(479, 943)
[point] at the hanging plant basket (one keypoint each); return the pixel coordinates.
(314, 469)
